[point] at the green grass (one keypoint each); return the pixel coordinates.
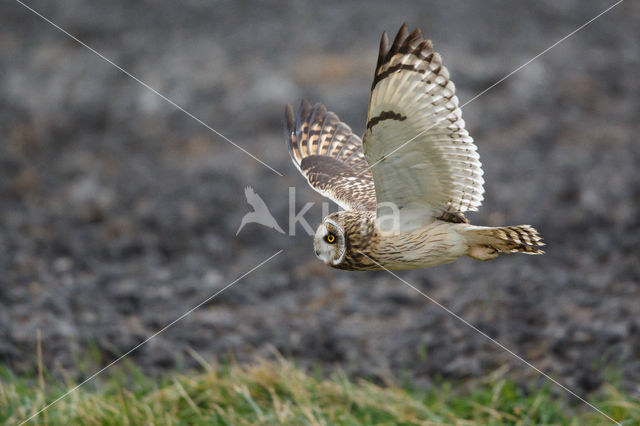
(268, 392)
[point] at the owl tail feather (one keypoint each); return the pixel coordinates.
(486, 243)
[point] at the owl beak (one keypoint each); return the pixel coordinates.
(317, 252)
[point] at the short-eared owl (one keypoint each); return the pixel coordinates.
(406, 185)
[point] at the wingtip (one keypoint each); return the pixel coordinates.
(384, 48)
(403, 32)
(289, 119)
(320, 110)
(303, 112)
(415, 34)
(384, 43)
(401, 36)
(415, 40)
(305, 105)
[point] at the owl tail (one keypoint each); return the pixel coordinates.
(487, 243)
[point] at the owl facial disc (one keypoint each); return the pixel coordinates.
(329, 243)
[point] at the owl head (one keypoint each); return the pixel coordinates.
(342, 236)
(330, 242)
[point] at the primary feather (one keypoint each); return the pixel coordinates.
(421, 157)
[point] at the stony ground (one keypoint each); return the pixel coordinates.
(118, 212)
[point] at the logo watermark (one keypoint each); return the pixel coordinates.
(260, 214)
(388, 214)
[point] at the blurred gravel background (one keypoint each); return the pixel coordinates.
(118, 212)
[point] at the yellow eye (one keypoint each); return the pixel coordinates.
(330, 238)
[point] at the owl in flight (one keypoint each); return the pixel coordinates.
(406, 185)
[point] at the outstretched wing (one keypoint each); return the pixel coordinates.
(422, 158)
(330, 156)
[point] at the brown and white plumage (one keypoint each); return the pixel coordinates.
(416, 164)
(423, 160)
(330, 156)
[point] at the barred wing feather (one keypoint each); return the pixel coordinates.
(330, 156)
(420, 155)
